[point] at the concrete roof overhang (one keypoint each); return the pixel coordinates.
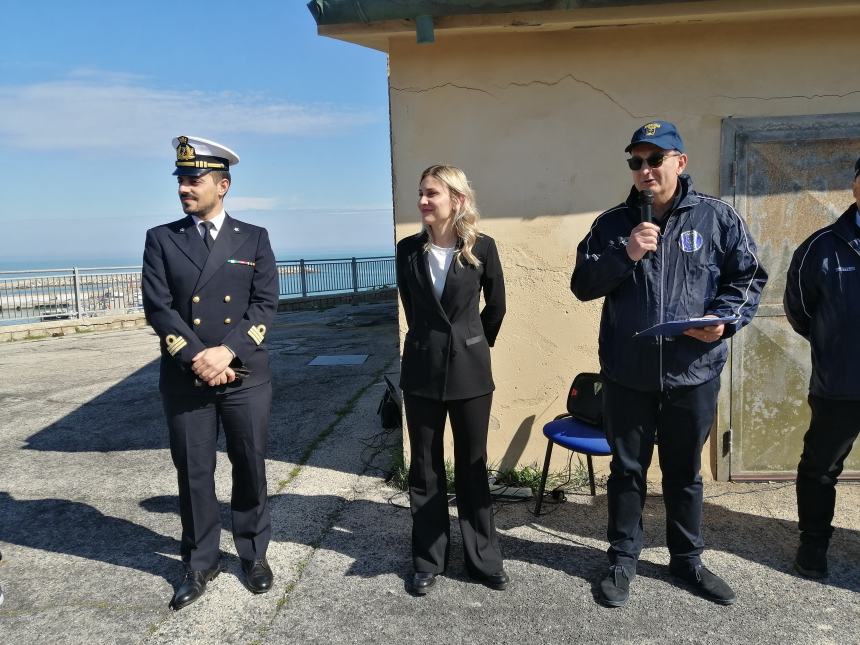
(373, 23)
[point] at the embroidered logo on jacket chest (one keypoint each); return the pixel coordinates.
(690, 241)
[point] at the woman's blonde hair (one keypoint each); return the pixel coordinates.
(466, 217)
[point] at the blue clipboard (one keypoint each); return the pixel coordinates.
(676, 327)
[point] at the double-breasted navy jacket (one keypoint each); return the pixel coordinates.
(195, 298)
(446, 354)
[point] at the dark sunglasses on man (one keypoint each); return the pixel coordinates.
(654, 160)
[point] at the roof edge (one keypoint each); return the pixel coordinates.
(489, 17)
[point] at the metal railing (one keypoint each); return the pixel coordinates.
(56, 294)
(302, 278)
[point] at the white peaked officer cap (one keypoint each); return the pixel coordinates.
(196, 156)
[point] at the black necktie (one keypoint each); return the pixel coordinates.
(207, 234)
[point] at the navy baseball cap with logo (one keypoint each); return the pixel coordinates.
(195, 156)
(661, 133)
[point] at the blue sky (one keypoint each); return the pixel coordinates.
(91, 93)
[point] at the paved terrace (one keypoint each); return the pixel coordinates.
(89, 526)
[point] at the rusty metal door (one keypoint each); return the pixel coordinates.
(787, 176)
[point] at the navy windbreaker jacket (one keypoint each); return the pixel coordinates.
(822, 302)
(706, 263)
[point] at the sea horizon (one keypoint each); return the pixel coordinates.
(106, 261)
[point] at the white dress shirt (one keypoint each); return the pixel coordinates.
(217, 223)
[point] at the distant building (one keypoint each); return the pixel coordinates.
(536, 101)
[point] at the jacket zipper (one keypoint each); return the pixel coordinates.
(662, 309)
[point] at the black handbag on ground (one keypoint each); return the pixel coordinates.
(389, 407)
(585, 399)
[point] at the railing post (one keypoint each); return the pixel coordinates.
(354, 276)
(76, 279)
(303, 279)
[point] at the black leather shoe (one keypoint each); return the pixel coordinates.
(615, 587)
(704, 582)
(192, 587)
(258, 575)
(498, 581)
(423, 582)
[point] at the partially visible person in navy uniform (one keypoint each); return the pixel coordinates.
(210, 292)
(695, 260)
(445, 372)
(822, 302)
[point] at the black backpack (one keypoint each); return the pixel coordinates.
(585, 398)
(389, 407)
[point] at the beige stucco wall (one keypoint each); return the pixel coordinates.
(539, 122)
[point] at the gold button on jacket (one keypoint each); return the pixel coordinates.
(195, 299)
(196, 321)
(226, 298)
(227, 321)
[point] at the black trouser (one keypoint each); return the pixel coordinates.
(680, 420)
(832, 430)
(193, 425)
(431, 529)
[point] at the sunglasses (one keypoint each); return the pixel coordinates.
(654, 161)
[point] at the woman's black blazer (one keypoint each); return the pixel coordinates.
(446, 354)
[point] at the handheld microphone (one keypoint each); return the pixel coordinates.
(646, 199)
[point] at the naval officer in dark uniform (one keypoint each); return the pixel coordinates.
(210, 292)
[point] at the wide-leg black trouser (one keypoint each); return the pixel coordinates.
(680, 420)
(832, 430)
(193, 423)
(431, 529)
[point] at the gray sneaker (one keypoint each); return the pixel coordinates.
(615, 587)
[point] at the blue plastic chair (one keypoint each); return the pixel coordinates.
(577, 436)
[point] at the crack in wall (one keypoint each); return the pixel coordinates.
(595, 88)
(418, 90)
(808, 97)
(576, 79)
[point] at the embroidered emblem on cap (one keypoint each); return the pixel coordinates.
(651, 128)
(185, 151)
(690, 241)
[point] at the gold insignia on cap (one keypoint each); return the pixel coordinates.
(650, 128)
(257, 333)
(174, 344)
(185, 151)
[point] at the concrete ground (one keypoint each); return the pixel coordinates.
(89, 527)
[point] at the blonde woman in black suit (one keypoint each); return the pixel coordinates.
(445, 372)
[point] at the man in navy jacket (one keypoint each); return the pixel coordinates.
(822, 302)
(696, 259)
(210, 292)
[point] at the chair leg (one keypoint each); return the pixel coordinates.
(543, 477)
(590, 474)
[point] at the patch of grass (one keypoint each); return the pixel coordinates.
(528, 476)
(399, 477)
